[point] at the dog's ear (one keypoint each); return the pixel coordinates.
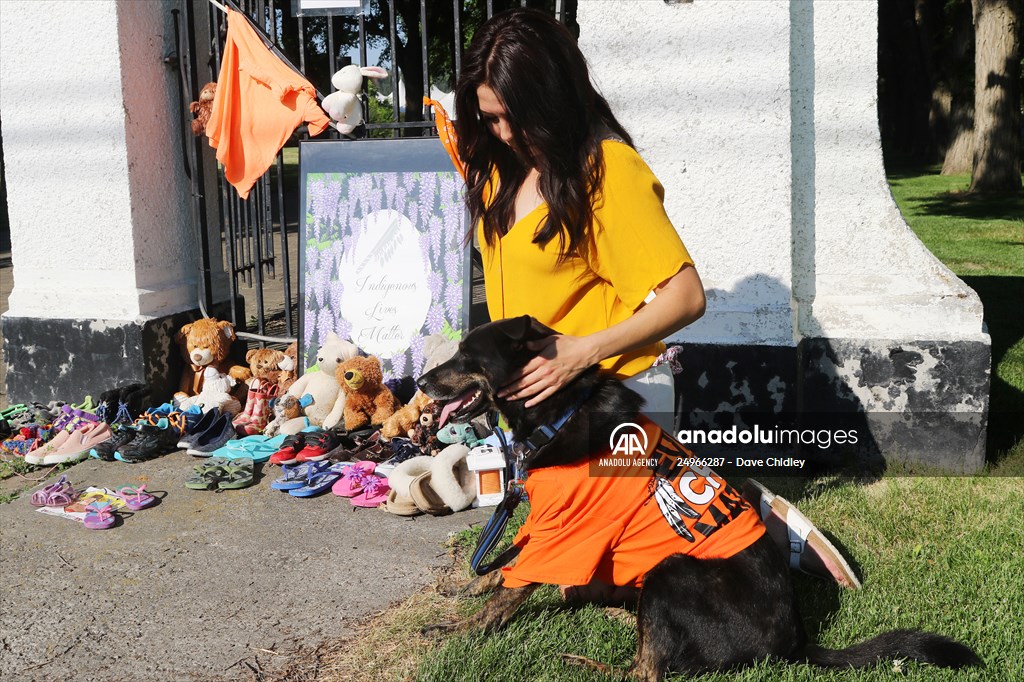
(526, 328)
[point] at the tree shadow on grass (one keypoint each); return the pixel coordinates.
(972, 206)
(1002, 298)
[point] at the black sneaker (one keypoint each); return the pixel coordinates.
(152, 441)
(109, 408)
(131, 403)
(105, 450)
(106, 405)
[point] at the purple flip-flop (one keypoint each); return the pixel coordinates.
(99, 516)
(59, 494)
(135, 498)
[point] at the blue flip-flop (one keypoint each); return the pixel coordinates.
(321, 481)
(295, 475)
(259, 448)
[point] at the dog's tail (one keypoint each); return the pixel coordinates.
(908, 644)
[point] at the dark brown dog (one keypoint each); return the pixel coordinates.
(694, 615)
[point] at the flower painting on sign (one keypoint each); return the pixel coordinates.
(383, 263)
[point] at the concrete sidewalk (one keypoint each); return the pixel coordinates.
(202, 583)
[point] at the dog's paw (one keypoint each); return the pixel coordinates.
(619, 614)
(450, 589)
(589, 664)
(440, 629)
(484, 584)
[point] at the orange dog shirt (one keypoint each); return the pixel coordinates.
(616, 522)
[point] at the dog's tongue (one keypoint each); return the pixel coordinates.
(454, 405)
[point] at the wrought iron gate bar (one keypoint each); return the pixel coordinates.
(393, 46)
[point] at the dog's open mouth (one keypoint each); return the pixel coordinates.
(463, 407)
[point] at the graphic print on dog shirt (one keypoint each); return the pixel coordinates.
(616, 524)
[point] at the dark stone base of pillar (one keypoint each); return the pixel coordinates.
(921, 403)
(61, 359)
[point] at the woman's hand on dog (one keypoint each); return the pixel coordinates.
(559, 360)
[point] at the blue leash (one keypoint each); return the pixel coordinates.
(495, 527)
(514, 493)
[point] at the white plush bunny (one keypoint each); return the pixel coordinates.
(343, 105)
(216, 393)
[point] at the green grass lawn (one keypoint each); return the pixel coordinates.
(929, 563)
(981, 240)
(936, 553)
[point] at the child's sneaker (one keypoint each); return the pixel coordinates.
(317, 446)
(105, 450)
(153, 441)
(289, 450)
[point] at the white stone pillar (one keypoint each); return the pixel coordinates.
(761, 121)
(703, 89)
(101, 233)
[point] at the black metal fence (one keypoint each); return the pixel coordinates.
(419, 42)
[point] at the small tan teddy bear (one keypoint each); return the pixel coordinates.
(367, 400)
(202, 109)
(207, 343)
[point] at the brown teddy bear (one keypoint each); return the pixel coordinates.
(367, 399)
(401, 423)
(203, 108)
(265, 364)
(424, 432)
(437, 348)
(289, 367)
(207, 343)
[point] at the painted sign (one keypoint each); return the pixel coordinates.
(383, 263)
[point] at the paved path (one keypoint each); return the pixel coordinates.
(192, 588)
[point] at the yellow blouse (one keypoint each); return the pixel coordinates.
(634, 248)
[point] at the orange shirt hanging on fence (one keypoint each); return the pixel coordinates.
(259, 103)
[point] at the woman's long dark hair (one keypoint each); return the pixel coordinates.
(558, 119)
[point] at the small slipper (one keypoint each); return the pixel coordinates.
(258, 448)
(59, 494)
(238, 473)
(401, 506)
(207, 475)
(12, 410)
(134, 497)
(319, 482)
(401, 477)
(425, 497)
(295, 475)
(353, 479)
(375, 492)
(99, 516)
(795, 534)
(451, 478)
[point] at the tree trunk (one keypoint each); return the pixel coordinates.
(960, 76)
(997, 96)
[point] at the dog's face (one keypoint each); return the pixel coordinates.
(487, 359)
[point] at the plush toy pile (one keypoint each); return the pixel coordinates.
(338, 427)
